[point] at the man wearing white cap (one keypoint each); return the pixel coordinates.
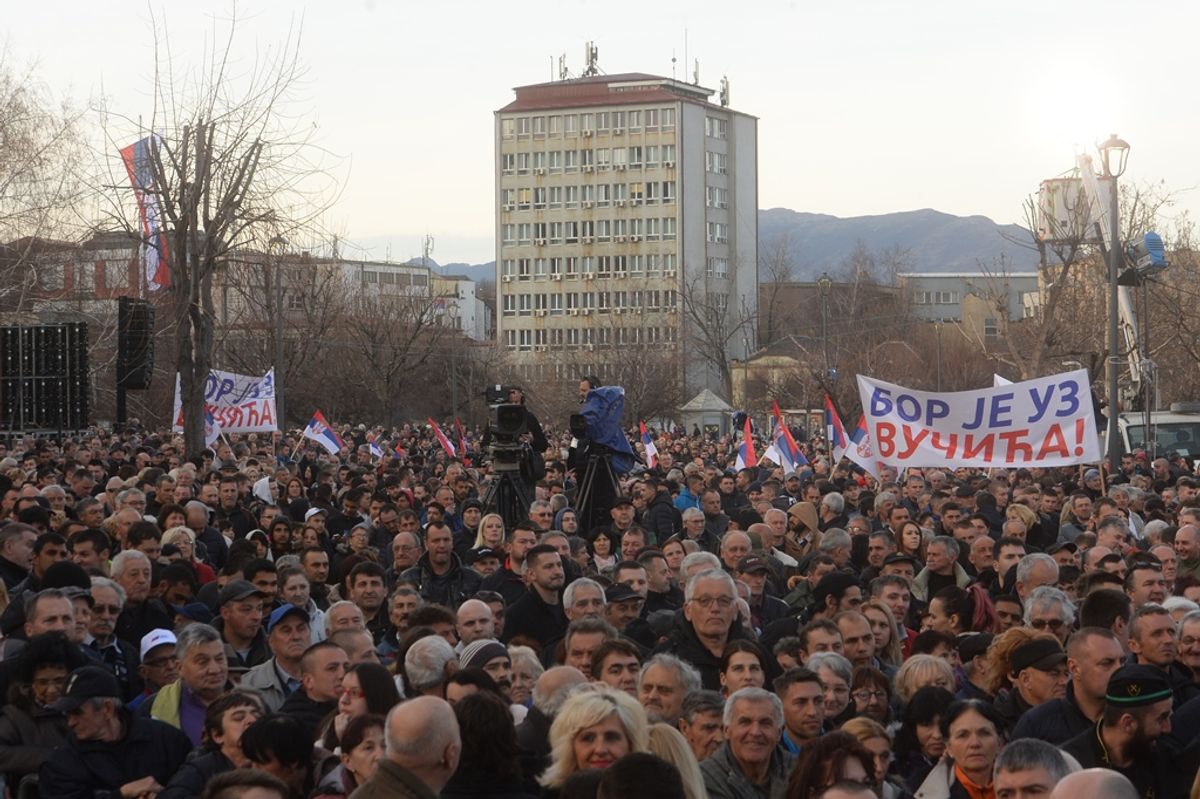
(159, 666)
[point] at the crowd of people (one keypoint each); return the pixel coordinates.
(270, 620)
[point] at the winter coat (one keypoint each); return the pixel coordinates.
(264, 678)
(98, 769)
(201, 766)
(27, 737)
(469, 783)
(450, 589)
(392, 781)
(683, 643)
(662, 519)
(724, 780)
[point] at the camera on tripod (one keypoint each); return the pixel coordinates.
(506, 424)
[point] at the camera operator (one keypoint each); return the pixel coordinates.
(537, 438)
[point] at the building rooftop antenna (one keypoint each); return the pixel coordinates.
(696, 73)
(563, 72)
(672, 65)
(725, 91)
(591, 55)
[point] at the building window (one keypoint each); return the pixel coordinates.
(508, 128)
(668, 191)
(571, 124)
(715, 128)
(718, 267)
(523, 126)
(668, 118)
(991, 328)
(508, 163)
(668, 228)
(634, 155)
(555, 125)
(716, 163)
(635, 120)
(539, 126)
(715, 197)
(718, 232)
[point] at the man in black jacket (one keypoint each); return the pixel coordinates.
(322, 668)
(110, 753)
(509, 581)
(440, 576)
(661, 519)
(1093, 654)
(539, 614)
(709, 623)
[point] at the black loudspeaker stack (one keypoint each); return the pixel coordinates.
(44, 377)
(135, 343)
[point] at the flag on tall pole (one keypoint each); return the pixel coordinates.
(446, 443)
(835, 433)
(746, 456)
(648, 443)
(318, 430)
(139, 164)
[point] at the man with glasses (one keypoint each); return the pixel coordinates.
(1093, 655)
(709, 613)
(160, 665)
(101, 643)
(1049, 610)
(1039, 673)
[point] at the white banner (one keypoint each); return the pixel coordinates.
(237, 403)
(1042, 422)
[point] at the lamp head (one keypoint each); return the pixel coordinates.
(1113, 154)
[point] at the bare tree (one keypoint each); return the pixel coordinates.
(777, 269)
(231, 169)
(715, 324)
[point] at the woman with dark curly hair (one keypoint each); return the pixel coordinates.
(490, 764)
(833, 757)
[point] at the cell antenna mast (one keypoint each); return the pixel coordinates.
(426, 250)
(590, 55)
(672, 65)
(725, 91)
(563, 72)
(696, 73)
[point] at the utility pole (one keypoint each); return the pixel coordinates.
(826, 283)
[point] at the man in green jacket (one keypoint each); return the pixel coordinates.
(423, 746)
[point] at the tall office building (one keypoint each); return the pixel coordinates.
(615, 194)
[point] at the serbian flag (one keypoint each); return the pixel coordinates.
(138, 164)
(746, 456)
(376, 451)
(784, 449)
(399, 450)
(648, 443)
(318, 430)
(462, 437)
(861, 451)
(834, 431)
(446, 443)
(212, 428)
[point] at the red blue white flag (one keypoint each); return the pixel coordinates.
(318, 430)
(446, 443)
(834, 431)
(862, 452)
(746, 458)
(648, 444)
(138, 164)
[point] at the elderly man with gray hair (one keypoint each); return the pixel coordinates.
(197, 516)
(429, 662)
(423, 748)
(749, 763)
(533, 733)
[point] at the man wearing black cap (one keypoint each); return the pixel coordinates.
(288, 636)
(240, 604)
(110, 754)
(1038, 673)
(622, 606)
(1133, 736)
(764, 609)
(1093, 655)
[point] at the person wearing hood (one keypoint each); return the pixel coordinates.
(804, 530)
(439, 573)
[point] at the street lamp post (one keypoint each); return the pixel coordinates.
(452, 314)
(1113, 154)
(275, 246)
(825, 283)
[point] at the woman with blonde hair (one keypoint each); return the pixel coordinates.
(594, 728)
(183, 539)
(876, 740)
(920, 671)
(669, 744)
(491, 533)
(889, 646)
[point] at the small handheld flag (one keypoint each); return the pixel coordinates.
(318, 430)
(834, 431)
(446, 443)
(791, 457)
(648, 443)
(746, 458)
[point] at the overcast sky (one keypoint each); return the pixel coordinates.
(865, 107)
